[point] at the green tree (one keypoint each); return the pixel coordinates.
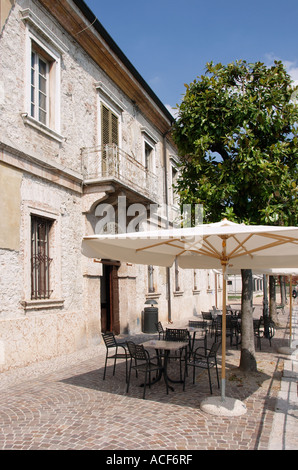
(237, 137)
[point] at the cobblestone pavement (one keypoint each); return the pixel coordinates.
(64, 404)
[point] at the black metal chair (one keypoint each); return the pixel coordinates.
(112, 351)
(160, 330)
(202, 325)
(264, 328)
(206, 362)
(181, 335)
(207, 316)
(230, 328)
(142, 363)
(236, 329)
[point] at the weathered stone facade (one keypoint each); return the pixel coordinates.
(44, 173)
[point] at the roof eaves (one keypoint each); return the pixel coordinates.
(89, 15)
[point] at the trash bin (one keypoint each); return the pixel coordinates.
(150, 318)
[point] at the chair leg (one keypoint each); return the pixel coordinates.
(128, 379)
(104, 373)
(145, 384)
(217, 375)
(210, 385)
(166, 360)
(126, 369)
(184, 378)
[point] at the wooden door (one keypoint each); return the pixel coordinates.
(110, 299)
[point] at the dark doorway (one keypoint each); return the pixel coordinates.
(110, 298)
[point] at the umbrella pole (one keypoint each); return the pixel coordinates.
(223, 332)
(291, 307)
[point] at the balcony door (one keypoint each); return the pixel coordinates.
(110, 298)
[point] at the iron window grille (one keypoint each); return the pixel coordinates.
(40, 259)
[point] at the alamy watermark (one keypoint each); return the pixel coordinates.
(124, 218)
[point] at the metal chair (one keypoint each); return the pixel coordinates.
(264, 328)
(207, 316)
(112, 351)
(229, 328)
(203, 327)
(142, 363)
(205, 362)
(160, 330)
(177, 334)
(182, 335)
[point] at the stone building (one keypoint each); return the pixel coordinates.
(79, 129)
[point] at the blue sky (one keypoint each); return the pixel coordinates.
(170, 41)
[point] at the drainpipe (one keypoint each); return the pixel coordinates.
(168, 272)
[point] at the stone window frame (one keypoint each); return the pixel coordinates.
(55, 301)
(149, 142)
(106, 98)
(40, 39)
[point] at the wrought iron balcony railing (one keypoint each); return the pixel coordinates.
(109, 162)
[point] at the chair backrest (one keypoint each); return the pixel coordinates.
(176, 334)
(109, 339)
(197, 324)
(206, 315)
(214, 348)
(159, 327)
(137, 351)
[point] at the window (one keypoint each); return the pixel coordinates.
(43, 74)
(40, 259)
(39, 88)
(177, 280)
(151, 287)
(149, 149)
(195, 279)
(148, 157)
(109, 140)
(109, 126)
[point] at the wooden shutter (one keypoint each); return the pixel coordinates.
(114, 129)
(105, 140)
(109, 126)
(109, 134)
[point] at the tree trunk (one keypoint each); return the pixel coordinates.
(272, 300)
(283, 292)
(248, 361)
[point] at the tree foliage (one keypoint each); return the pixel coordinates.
(237, 136)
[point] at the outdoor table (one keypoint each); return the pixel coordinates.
(161, 346)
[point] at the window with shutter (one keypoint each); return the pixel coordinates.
(109, 134)
(109, 126)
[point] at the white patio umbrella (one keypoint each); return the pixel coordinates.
(208, 246)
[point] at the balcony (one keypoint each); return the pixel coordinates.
(110, 164)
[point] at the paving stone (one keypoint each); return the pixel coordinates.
(65, 404)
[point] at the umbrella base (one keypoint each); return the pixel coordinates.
(286, 350)
(219, 407)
